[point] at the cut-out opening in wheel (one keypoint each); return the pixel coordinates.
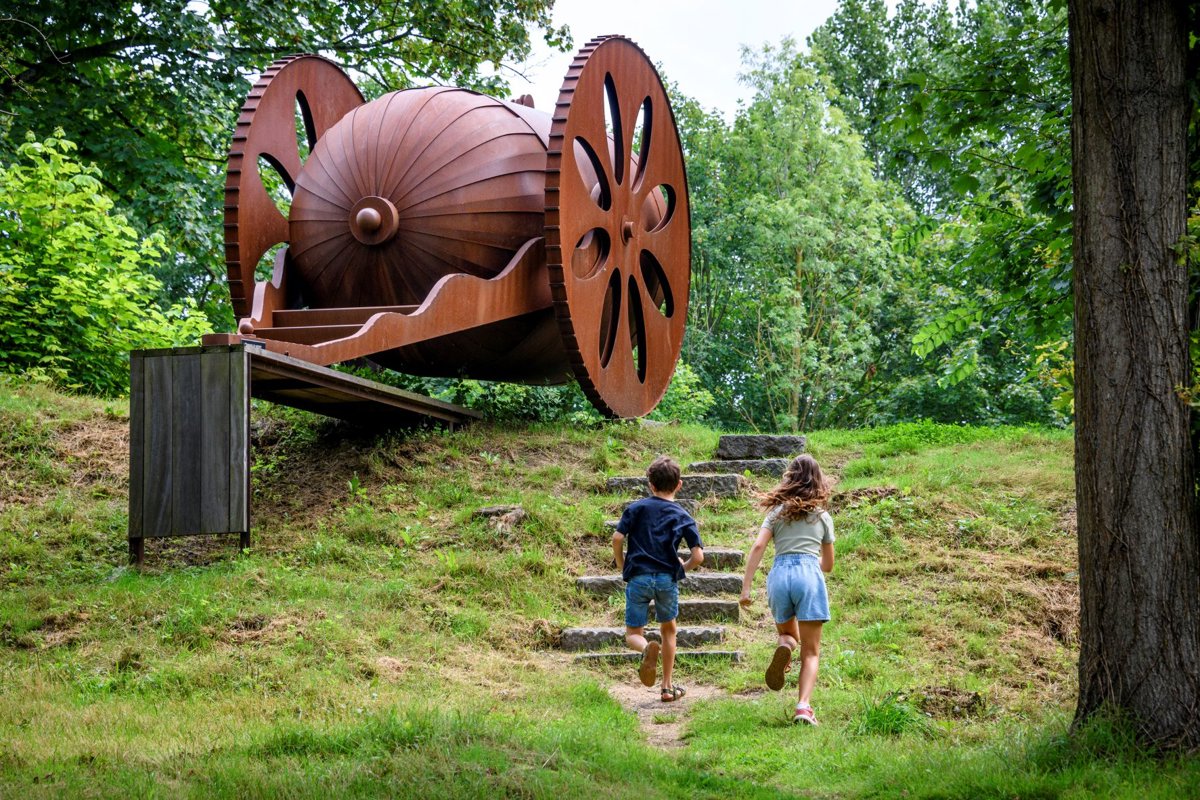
(610, 316)
(306, 129)
(658, 208)
(643, 126)
(279, 185)
(637, 330)
(654, 278)
(266, 265)
(591, 253)
(592, 173)
(616, 138)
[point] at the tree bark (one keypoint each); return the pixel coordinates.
(1139, 546)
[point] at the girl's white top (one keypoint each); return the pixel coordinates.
(804, 535)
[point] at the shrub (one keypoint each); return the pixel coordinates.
(75, 292)
(891, 716)
(686, 399)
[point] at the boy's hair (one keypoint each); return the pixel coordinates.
(803, 489)
(663, 473)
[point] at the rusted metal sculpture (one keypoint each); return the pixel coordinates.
(441, 232)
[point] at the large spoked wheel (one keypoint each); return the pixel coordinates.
(308, 87)
(618, 227)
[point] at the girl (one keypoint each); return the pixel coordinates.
(803, 534)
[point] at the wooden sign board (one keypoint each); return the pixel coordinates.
(189, 444)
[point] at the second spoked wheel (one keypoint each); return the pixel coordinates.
(618, 228)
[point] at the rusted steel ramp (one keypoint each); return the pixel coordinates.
(292, 382)
(189, 430)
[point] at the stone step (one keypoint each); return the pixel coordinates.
(719, 558)
(694, 486)
(705, 611)
(736, 447)
(593, 638)
(684, 656)
(758, 466)
(706, 583)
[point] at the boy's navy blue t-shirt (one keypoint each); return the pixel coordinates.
(653, 529)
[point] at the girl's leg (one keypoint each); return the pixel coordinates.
(781, 661)
(636, 638)
(789, 633)
(809, 634)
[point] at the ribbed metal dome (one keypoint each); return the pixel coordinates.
(411, 187)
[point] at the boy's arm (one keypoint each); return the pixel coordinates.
(618, 544)
(691, 537)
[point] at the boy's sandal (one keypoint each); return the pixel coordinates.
(673, 694)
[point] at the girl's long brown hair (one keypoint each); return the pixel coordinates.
(803, 489)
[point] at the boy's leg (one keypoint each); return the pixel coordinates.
(668, 652)
(636, 638)
(637, 613)
(666, 607)
(648, 668)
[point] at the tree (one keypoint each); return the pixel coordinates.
(150, 89)
(968, 111)
(1139, 538)
(792, 253)
(75, 295)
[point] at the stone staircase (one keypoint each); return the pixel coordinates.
(754, 453)
(709, 594)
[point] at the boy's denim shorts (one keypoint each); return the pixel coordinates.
(641, 589)
(796, 588)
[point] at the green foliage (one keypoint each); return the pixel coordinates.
(150, 90)
(954, 323)
(793, 263)
(75, 294)
(969, 111)
(891, 715)
(518, 402)
(686, 400)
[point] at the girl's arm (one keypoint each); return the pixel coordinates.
(753, 559)
(618, 542)
(827, 557)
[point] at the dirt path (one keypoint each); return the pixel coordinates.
(663, 723)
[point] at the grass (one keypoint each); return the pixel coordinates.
(381, 640)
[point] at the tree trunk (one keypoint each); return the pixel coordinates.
(1139, 546)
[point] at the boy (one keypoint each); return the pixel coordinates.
(655, 526)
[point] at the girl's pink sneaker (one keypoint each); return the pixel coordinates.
(804, 715)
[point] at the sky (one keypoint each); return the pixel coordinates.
(696, 42)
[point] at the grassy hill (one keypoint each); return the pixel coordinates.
(381, 640)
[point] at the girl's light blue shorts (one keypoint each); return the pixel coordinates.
(796, 588)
